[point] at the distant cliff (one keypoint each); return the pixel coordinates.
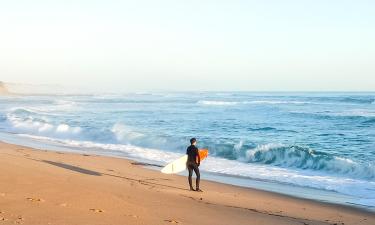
(3, 89)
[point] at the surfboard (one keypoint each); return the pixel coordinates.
(179, 164)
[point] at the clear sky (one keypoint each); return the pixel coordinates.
(264, 45)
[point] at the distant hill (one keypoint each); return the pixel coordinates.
(3, 89)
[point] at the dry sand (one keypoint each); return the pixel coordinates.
(46, 187)
(3, 89)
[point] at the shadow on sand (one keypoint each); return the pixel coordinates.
(73, 168)
(94, 173)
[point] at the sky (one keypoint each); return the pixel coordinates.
(118, 45)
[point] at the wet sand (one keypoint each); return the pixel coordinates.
(46, 187)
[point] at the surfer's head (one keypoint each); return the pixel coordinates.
(193, 141)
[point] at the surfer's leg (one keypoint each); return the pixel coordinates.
(198, 174)
(190, 177)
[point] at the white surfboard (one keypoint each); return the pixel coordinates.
(176, 166)
(179, 164)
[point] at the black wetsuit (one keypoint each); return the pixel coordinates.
(192, 164)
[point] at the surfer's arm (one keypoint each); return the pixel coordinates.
(199, 157)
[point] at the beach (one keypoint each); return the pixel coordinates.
(50, 187)
(104, 105)
(310, 145)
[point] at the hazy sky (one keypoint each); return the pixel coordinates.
(190, 45)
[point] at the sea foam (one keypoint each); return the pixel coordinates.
(31, 125)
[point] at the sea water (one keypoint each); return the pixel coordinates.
(309, 141)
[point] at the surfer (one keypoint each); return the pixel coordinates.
(193, 163)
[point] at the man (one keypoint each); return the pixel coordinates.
(193, 163)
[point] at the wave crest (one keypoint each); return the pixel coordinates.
(306, 158)
(125, 134)
(359, 100)
(255, 102)
(219, 103)
(31, 125)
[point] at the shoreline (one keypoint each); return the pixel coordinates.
(81, 187)
(299, 192)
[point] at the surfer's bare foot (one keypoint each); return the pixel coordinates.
(192, 189)
(199, 190)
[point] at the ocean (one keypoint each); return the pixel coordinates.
(314, 142)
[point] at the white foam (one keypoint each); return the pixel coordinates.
(61, 104)
(29, 125)
(370, 113)
(357, 112)
(48, 109)
(313, 179)
(62, 128)
(231, 103)
(263, 148)
(129, 150)
(125, 133)
(217, 103)
(277, 102)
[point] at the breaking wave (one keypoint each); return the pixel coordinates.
(220, 103)
(307, 159)
(359, 100)
(27, 123)
(230, 103)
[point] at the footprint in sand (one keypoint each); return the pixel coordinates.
(172, 221)
(2, 218)
(35, 199)
(97, 210)
(63, 204)
(132, 215)
(19, 220)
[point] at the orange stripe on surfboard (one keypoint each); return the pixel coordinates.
(203, 153)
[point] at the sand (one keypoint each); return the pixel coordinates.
(3, 89)
(47, 187)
